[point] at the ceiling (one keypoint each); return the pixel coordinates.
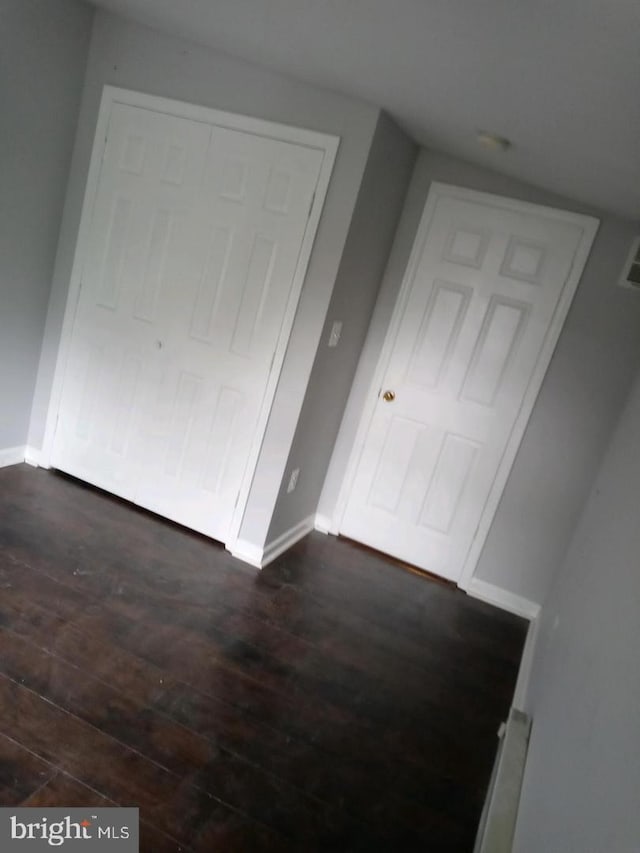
(559, 78)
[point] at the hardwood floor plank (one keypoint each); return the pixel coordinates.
(50, 591)
(220, 617)
(102, 707)
(332, 701)
(21, 773)
(121, 716)
(63, 790)
(217, 720)
(216, 771)
(107, 766)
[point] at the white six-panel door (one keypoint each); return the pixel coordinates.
(482, 291)
(194, 242)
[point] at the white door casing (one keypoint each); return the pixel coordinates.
(196, 231)
(486, 291)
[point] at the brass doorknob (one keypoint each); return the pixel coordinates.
(388, 396)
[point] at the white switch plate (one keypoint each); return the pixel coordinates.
(336, 331)
(293, 480)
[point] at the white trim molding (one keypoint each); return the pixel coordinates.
(287, 539)
(247, 552)
(261, 557)
(12, 456)
(492, 594)
(498, 819)
(322, 523)
(33, 456)
(526, 666)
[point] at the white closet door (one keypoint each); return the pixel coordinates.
(194, 240)
(482, 290)
(150, 176)
(245, 235)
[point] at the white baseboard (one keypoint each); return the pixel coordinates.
(287, 539)
(11, 456)
(247, 552)
(498, 819)
(32, 456)
(261, 557)
(526, 665)
(503, 598)
(322, 523)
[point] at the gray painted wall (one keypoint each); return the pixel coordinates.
(131, 56)
(580, 401)
(364, 259)
(582, 776)
(43, 52)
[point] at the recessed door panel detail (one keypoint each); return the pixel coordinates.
(438, 333)
(497, 344)
(523, 260)
(186, 399)
(126, 396)
(155, 262)
(254, 293)
(194, 242)
(90, 389)
(174, 165)
(278, 191)
(211, 283)
(466, 246)
(133, 154)
(228, 410)
(232, 180)
(116, 244)
(481, 290)
(448, 481)
(394, 465)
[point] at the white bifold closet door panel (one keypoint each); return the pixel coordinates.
(194, 241)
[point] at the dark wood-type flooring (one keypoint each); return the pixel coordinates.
(333, 701)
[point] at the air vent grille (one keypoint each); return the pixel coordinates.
(631, 272)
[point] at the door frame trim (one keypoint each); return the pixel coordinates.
(589, 226)
(324, 142)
